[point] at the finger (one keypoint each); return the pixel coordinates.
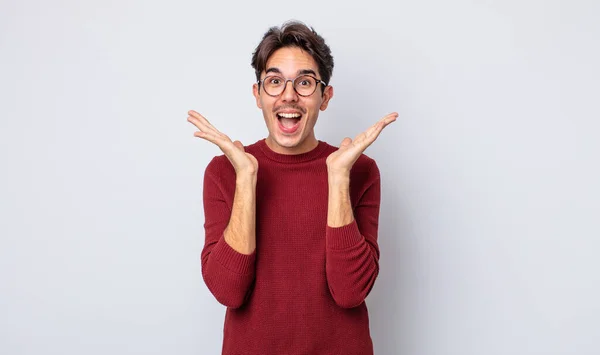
(201, 122)
(209, 133)
(226, 146)
(369, 133)
(212, 137)
(346, 141)
(198, 116)
(239, 145)
(389, 118)
(366, 138)
(206, 136)
(376, 129)
(216, 137)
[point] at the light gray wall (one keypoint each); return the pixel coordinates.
(489, 224)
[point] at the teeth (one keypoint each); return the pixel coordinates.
(289, 115)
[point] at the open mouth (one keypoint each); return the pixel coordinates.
(289, 122)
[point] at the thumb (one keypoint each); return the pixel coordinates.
(346, 141)
(239, 145)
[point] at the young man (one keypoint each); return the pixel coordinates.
(291, 222)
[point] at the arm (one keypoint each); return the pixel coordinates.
(228, 255)
(240, 233)
(352, 254)
(351, 239)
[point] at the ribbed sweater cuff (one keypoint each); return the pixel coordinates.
(232, 260)
(343, 237)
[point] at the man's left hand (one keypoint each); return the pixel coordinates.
(340, 162)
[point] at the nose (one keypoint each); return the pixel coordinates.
(289, 93)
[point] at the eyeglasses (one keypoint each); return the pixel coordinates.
(304, 85)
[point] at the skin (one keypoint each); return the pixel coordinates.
(240, 232)
(288, 62)
(339, 163)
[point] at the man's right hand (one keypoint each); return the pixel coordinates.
(243, 163)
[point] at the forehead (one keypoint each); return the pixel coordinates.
(291, 60)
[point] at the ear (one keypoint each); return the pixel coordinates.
(327, 95)
(256, 93)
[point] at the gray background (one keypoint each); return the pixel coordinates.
(489, 231)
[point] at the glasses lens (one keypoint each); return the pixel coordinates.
(305, 85)
(274, 85)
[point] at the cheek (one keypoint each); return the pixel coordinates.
(266, 103)
(313, 109)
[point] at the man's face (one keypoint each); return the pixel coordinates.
(294, 133)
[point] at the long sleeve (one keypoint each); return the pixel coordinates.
(281, 292)
(227, 273)
(352, 253)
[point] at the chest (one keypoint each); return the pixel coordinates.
(291, 205)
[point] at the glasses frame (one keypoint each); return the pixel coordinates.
(319, 81)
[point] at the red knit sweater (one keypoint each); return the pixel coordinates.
(303, 289)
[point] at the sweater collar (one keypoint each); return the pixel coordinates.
(292, 158)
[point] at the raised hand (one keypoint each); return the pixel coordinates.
(341, 161)
(243, 163)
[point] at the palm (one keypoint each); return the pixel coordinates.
(344, 158)
(234, 151)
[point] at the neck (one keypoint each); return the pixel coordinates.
(309, 144)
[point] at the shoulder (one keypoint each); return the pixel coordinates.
(365, 165)
(219, 169)
(364, 172)
(218, 164)
(219, 176)
(254, 146)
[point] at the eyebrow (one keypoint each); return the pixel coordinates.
(300, 72)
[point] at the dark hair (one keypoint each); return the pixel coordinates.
(294, 34)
